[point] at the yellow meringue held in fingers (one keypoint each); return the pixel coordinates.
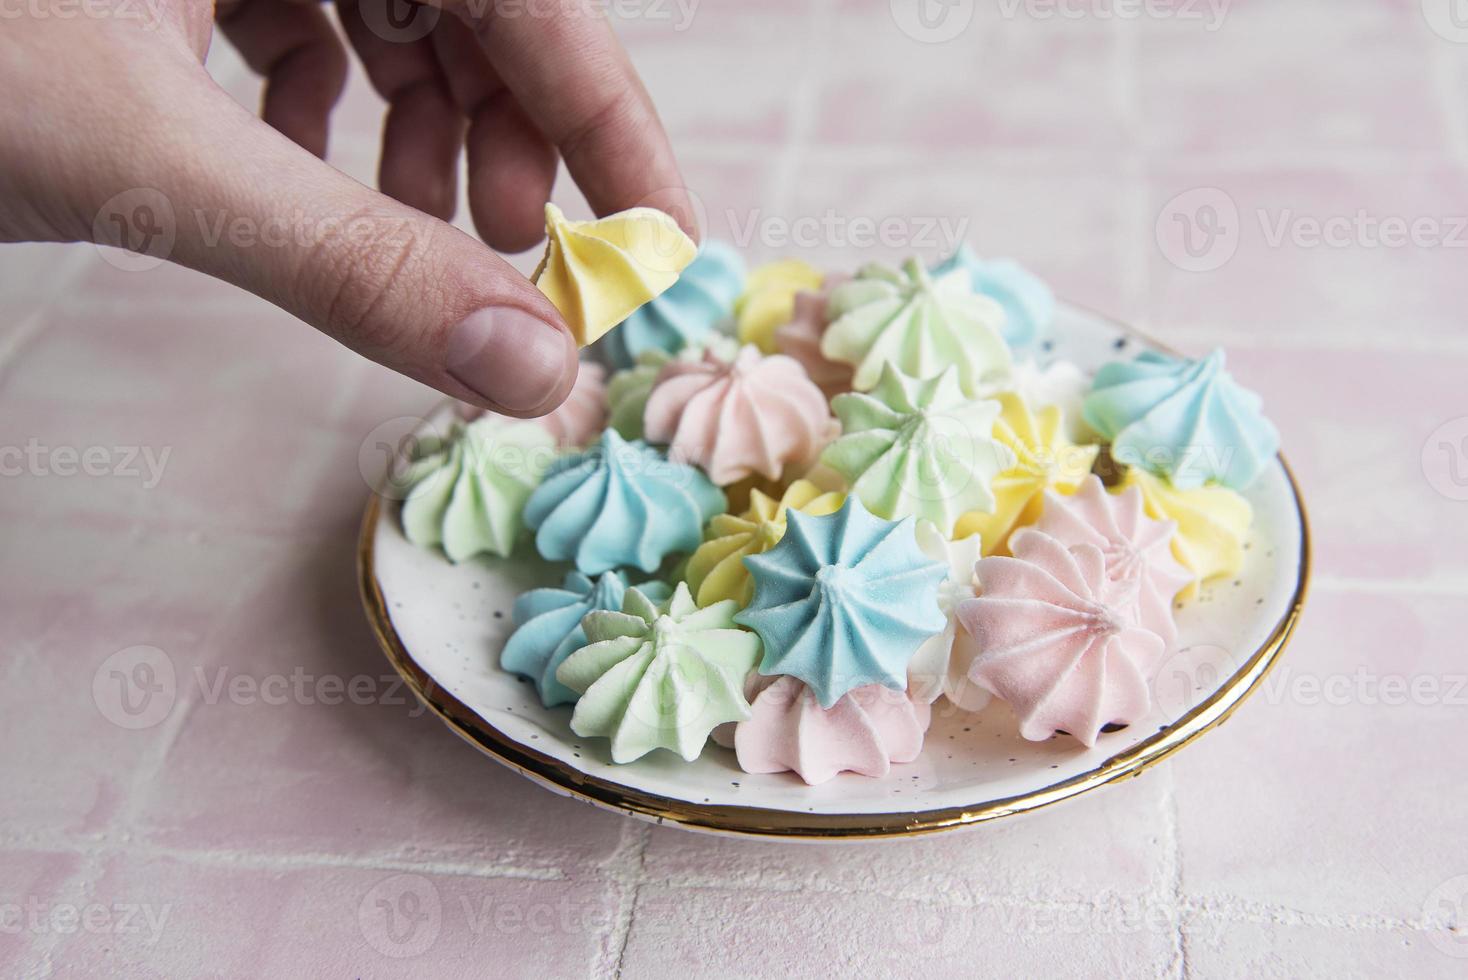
(1212, 523)
(1045, 460)
(597, 272)
(716, 571)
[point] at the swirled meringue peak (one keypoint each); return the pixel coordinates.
(864, 732)
(918, 322)
(941, 665)
(628, 390)
(1051, 643)
(581, 417)
(467, 493)
(1059, 383)
(843, 601)
(597, 272)
(769, 300)
(1186, 420)
(716, 571)
(1212, 524)
(736, 419)
(619, 504)
(691, 309)
(1029, 305)
(918, 448)
(800, 338)
(1044, 460)
(659, 676)
(1145, 577)
(548, 627)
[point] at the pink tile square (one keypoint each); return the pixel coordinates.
(762, 933)
(1376, 512)
(222, 468)
(1113, 841)
(300, 738)
(32, 908)
(226, 920)
(1366, 255)
(682, 53)
(109, 623)
(1278, 77)
(971, 76)
(1266, 949)
(1325, 794)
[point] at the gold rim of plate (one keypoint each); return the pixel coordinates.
(763, 822)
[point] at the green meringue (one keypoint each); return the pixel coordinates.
(660, 676)
(918, 322)
(918, 448)
(628, 390)
(467, 493)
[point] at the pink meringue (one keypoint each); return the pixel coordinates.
(1051, 643)
(577, 420)
(1145, 577)
(581, 417)
(865, 731)
(736, 419)
(801, 339)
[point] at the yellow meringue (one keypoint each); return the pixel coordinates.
(1047, 460)
(597, 272)
(1212, 522)
(768, 302)
(716, 571)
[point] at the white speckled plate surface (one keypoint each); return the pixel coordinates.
(443, 625)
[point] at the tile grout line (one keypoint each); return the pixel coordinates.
(803, 102)
(1448, 102)
(627, 866)
(1133, 249)
(1267, 340)
(1431, 588)
(1170, 818)
(626, 870)
(105, 844)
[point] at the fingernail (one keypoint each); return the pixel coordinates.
(509, 357)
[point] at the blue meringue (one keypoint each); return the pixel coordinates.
(688, 312)
(548, 627)
(843, 600)
(1029, 305)
(618, 504)
(1183, 419)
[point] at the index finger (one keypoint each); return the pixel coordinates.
(565, 67)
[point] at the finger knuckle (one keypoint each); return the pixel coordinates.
(359, 266)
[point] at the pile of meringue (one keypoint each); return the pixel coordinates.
(802, 508)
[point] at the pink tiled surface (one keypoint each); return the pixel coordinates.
(250, 833)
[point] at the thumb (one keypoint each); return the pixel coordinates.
(411, 292)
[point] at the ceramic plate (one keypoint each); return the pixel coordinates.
(443, 625)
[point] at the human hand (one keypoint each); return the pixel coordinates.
(112, 109)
